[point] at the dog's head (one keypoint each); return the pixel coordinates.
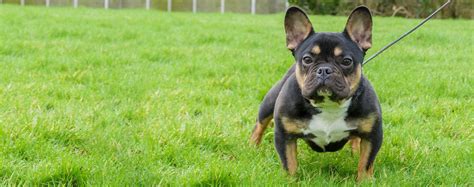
(328, 64)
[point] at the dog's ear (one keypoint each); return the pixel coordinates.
(359, 27)
(297, 27)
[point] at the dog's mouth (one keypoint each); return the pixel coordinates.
(325, 92)
(334, 89)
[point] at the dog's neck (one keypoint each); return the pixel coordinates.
(331, 108)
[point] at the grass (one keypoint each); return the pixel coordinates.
(116, 97)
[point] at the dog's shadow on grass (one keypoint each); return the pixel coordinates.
(337, 166)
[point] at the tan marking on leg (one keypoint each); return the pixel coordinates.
(337, 51)
(260, 127)
(290, 154)
(355, 145)
(362, 172)
(370, 171)
(293, 126)
(316, 50)
(365, 125)
(354, 79)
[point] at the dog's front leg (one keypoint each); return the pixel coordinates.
(286, 148)
(369, 148)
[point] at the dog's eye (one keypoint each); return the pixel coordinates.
(307, 60)
(346, 62)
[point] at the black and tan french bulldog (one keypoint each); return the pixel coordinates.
(324, 98)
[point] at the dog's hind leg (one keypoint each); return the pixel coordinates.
(265, 112)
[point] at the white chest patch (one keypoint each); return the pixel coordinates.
(329, 125)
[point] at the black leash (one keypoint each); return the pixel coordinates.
(407, 33)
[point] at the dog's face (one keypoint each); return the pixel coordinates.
(328, 64)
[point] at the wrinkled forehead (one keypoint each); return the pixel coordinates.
(324, 44)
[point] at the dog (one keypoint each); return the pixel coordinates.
(324, 98)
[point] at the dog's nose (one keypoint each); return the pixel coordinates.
(324, 71)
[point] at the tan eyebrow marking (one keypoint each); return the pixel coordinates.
(316, 50)
(337, 51)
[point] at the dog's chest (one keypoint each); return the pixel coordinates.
(328, 126)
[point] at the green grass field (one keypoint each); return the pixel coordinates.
(117, 97)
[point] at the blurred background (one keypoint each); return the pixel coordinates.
(403, 8)
(400, 8)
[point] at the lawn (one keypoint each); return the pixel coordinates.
(116, 97)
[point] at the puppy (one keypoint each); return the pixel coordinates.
(324, 99)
